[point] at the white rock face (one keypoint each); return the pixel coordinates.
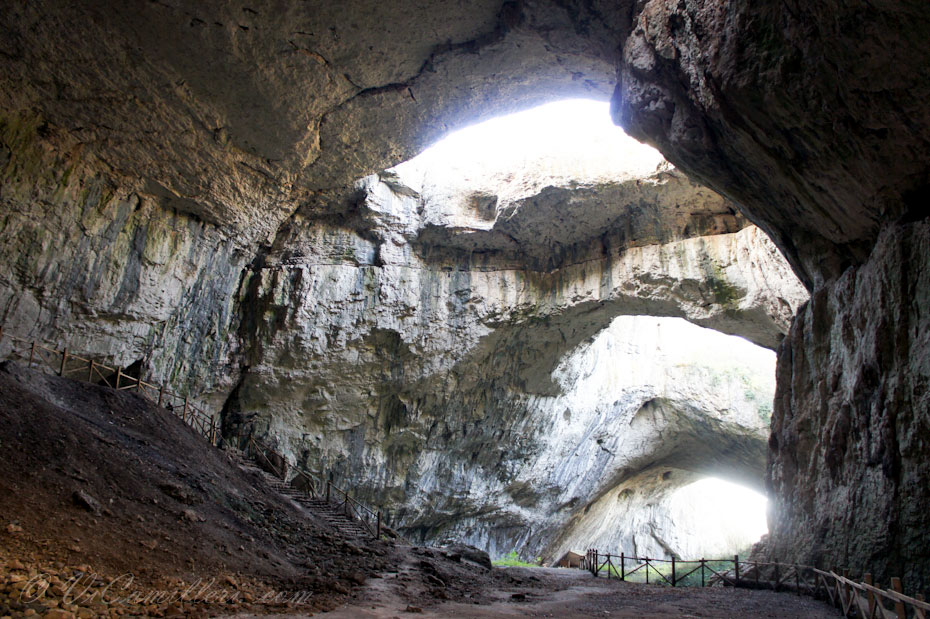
(439, 384)
(648, 407)
(506, 185)
(373, 346)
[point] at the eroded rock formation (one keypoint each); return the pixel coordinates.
(850, 432)
(378, 348)
(157, 160)
(814, 118)
(435, 383)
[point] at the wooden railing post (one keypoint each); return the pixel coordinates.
(871, 596)
(736, 569)
(646, 559)
(775, 578)
(702, 571)
(64, 361)
(161, 395)
(90, 372)
(119, 375)
(899, 608)
(186, 404)
(32, 352)
(673, 570)
(379, 525)
(845, 591)
(608, 566)
(329, 485)
(622, 566)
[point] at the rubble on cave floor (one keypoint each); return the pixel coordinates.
(101, 487)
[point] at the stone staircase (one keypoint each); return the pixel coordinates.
(332, 513)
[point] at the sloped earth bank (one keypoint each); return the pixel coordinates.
(554, 592)
(96, 481)
(111, 505)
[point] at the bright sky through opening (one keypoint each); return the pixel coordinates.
(568, 138)
(723, 509)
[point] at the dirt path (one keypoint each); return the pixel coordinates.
(549, 592)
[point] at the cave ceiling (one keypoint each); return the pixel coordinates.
(240, 113)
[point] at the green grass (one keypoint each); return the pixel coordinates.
(513, 560)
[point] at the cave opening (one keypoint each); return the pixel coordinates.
(655, 427)
(569, 139)
(187, 195)
(665, 425)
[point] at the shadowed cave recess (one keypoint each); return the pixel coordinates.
(524, 354)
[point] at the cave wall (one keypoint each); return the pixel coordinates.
(94, 262)
(811, 116)
(220, 123)
(369, 344)
(814, 118)
(431, 383)
(851, 427)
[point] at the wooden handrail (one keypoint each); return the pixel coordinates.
(347, 502)
(861, 599)
(98, 371)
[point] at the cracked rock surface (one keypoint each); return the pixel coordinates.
(398, 363)
(158, 158)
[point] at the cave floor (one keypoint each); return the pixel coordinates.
(107, 501)
(554, 592)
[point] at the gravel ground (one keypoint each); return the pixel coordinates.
(564, 593)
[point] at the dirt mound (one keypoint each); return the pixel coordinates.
(96, 481)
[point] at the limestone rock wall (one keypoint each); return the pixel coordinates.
(92, 261)
(435, 379)
(851, 427)
(811, 116)
(814, 118)
(433, 383)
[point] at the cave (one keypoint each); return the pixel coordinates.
(232, 200)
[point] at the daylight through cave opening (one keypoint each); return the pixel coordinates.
(597, 422)
(664, 423)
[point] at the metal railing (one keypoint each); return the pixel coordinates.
(861, 599)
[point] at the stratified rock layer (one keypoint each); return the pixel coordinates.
(366, 348)
(440, 386)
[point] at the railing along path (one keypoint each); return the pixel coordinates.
(66, 363)
(855, 599)
(313, 486)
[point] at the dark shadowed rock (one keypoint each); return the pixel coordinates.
(468, 553)
(85, 501)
